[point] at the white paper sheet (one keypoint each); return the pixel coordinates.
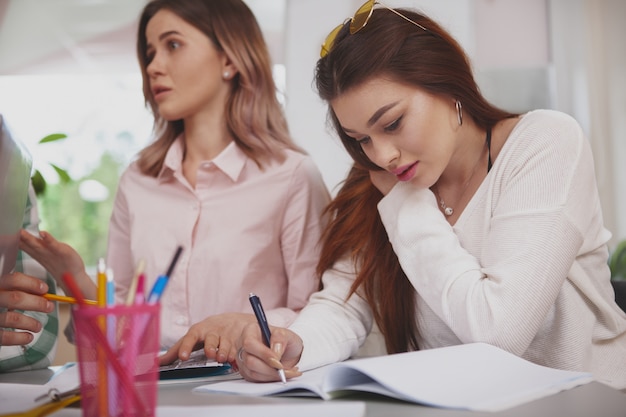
(474, 376)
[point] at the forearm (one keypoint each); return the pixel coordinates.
(332, 327)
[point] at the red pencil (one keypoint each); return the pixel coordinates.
(71, 284)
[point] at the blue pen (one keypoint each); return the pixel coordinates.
(110, 288)
(112, 383)
(159, 286)
(265, 328)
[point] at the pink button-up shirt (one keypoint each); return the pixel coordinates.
(243, 230)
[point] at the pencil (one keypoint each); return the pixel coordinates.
(102, 283)
(66, 299)
(71, 284)
(130, 299)
(103, 395)
(104, 345)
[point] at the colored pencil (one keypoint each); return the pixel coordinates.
(103, 396)
(66, 299)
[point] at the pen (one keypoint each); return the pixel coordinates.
(161, 282)
(265, 328)
(66, 299)
(110, 288)
(111, 337)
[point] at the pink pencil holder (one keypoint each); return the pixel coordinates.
(117, 357)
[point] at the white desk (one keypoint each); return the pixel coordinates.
(590, 400)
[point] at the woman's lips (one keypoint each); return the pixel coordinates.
(159, 92)
(406, 172)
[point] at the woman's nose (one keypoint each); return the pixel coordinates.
(386, 154)
(155, 66)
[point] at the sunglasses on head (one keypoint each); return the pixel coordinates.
(358, 22)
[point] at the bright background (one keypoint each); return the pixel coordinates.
(69, 66)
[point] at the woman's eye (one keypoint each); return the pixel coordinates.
(393, 126)
(363, 141)
(173, 45)
(149, 57)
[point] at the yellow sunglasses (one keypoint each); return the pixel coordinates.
(358, 22)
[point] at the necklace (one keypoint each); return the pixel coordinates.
(449, 211)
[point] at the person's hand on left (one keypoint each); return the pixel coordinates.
(383, 180)
(217, 334)
(21, 292)
(58, 258)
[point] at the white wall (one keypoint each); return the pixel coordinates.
(589, 63)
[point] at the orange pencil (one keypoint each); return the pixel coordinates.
(66, 299)
(103, 395)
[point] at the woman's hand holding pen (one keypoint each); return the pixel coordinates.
(258, 363)
(58, 258)
(21, 292)
(217, 334)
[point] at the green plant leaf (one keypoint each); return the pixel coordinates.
(39, 182)
(63, 175)
(53, 137)
(617, 261)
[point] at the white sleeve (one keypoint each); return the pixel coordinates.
(331, 327)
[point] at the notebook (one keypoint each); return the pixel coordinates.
(474, 376)
(15, 167)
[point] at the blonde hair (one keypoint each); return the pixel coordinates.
(254, 116)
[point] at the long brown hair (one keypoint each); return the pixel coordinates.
(254, 116)
(388, 46)
(356, 230)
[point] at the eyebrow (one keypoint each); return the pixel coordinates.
(163, 36)
(378, 114)
(168, 33)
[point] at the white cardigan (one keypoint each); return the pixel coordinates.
(524, 267)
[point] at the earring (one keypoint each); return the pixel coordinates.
(226, 75)
(459, 112)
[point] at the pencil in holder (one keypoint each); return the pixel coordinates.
(117, 356)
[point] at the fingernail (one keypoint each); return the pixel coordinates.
(278, 348)
(275, 363)
(49, 306)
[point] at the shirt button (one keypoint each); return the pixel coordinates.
(181, 321)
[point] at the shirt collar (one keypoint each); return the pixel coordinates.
(173, 161)
(230, 161)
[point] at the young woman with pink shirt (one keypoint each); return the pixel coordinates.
(223, 179)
